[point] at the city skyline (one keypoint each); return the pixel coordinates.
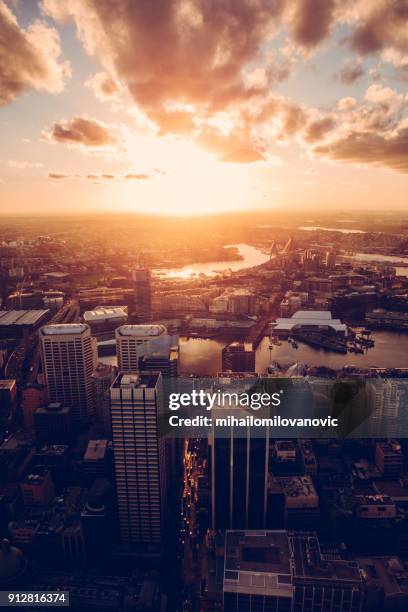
(193, 107)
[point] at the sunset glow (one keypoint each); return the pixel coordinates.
(192, 107)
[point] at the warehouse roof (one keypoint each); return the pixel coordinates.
(21, 317)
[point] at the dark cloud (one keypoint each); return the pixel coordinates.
(383, 24)
(369, 148)
(82, 131)
(29, 59)
(58, 175)
(100, 177)
(189, 51)
(351, 73)
(317, 130)
(310, 21)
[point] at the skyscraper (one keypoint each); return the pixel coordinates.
(287, 572)
(142, 294)
(139, 460)
(238, 357)
(239, 480)
(69, 357)
(136, 341)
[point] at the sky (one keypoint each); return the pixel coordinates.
(203, 106)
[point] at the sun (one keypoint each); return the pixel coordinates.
(184, 179)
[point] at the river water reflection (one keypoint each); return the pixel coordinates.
(204, 356)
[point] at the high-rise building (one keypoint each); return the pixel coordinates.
(238, 357)
(8, 401)
(136, 341)
(33, 396)
(324, 584)
(257, 571)
(239, 480)
(142, 294)
(167, 363)
(69, 357)
(139, 460)
(102, 378)
(37, 487)
(384, 401)
(52, 424)
(389, 458)
(276, 570)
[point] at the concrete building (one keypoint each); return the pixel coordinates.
(69, 357)
(142, 294)
(33, 396)
(8, 401)
(389, 458)
(18, 324)
(324, 584)
(383, 397)
(310, 320)
(238, 357)
(139, 461)
(301, 502)
(52, 424)
(136, 341)
(105, 318)
(37, 488)
(257, 571)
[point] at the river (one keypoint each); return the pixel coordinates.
(391, 259)
(251, 257)
(204, 356)
(316, 228)
(200, 356)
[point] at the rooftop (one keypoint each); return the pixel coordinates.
(7, 384)
(37, 476)
(136, 381)
(257, 551)
(309, 562)
(65, 329)
(96, 450)
(22, 317)
(141, 331)
(100, 314)
(298, 486)
(316, 318)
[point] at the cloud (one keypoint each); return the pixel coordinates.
(318, 129)
(309, 21)
(138, 177)
(380, 24)
(58, 175)
(351, 73)
(347, 103)
(186, 51)
(233, 147)
(173, 121)
(29, 59)
(205, 69)
(369, 149)
(22, 165)
(81, 132)
(100, 176)
(104, 86)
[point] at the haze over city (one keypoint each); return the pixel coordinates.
(190, 107)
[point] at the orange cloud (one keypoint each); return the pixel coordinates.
(82, 131)
(368, 148)
(29, 59)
